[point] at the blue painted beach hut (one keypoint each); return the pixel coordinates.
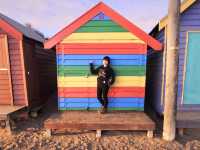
(188, 95)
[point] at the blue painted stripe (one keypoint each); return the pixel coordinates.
(96, 57)
(115, 59)
(95, 100)
(99, 62)
(95, 105)
(117, 105)
(139, 61)
(101, 16)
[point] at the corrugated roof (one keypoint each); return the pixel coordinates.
(25, 30)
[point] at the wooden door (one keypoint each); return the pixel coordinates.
(32, 74)
(6, 97)
(192, 75)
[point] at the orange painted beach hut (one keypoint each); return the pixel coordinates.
(27, 71)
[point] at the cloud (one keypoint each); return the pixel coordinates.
(49, 16)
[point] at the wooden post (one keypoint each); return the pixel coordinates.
(150, 133)
(98, 133)
(169, 127)
(8, 125)
(181, 131)
(48, 132)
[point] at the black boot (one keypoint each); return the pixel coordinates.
(104, 110)
(100, 110)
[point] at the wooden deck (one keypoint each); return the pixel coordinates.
(8, 109)
(187, 120)
(91, 120)
(5, 112)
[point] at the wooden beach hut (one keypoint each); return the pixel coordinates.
(27, 71)
(188, 95)
(101, 31)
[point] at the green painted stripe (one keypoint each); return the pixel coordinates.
(117, 109)
(101, 29)
(84, 70)
(100, 23)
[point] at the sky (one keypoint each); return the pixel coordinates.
(50, 16)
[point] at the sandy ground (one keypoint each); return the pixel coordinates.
(30, 135)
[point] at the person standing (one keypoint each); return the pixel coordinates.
(105, 79)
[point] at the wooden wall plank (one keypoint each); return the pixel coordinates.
(101, 36)
(95, 100)
(101, 51)
(113, 109)
(101, 46)
(91, 92)
(100, 23)
(97, 57)
(6, 95)
(104, 41)
(107, 37)
(96, 105)
(100, 29)
(139, 62)
(84, 70)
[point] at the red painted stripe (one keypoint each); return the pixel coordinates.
(91, 92)
(101, 49)
(101, 45)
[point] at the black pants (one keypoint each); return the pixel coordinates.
(102, 95)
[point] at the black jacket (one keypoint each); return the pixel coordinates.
(106, 75)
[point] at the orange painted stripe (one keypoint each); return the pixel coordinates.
(91, 92)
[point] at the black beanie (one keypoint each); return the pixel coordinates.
(107, 58)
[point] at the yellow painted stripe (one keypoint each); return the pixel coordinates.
(104, 41)
(102, 37)
(121, 81)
